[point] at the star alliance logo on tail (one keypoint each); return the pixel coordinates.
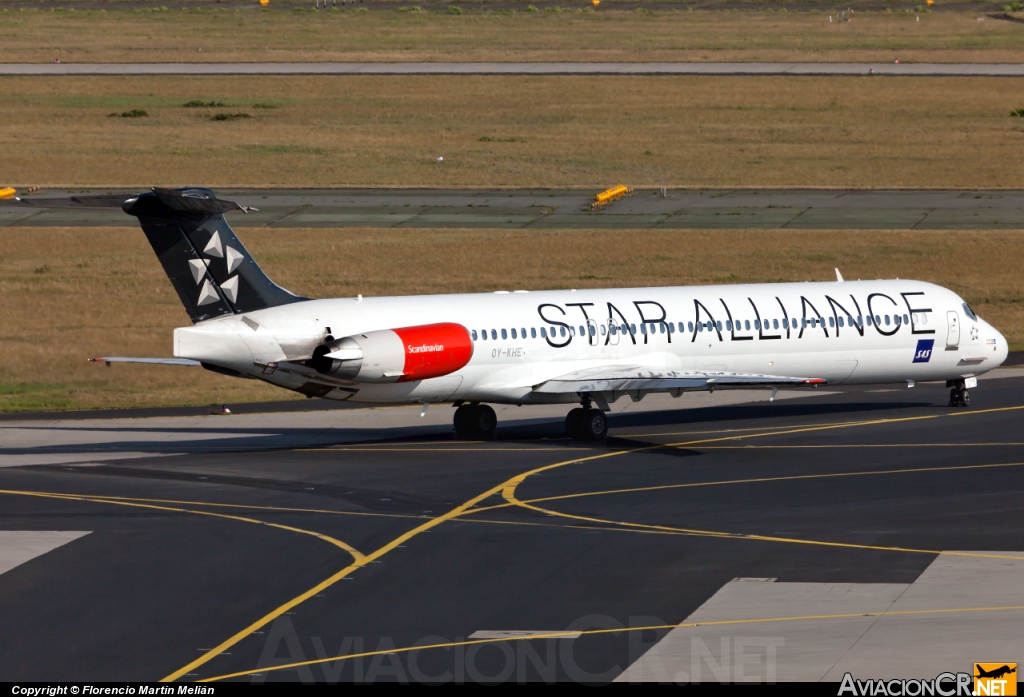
(924, 350)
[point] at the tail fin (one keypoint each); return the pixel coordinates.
(208, 266)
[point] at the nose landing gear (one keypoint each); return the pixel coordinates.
(586, 423)
(475, 422)
(959, 397)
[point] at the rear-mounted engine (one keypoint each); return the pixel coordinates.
(396, 355)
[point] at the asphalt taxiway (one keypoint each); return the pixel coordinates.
(546, 208)
(713, 537)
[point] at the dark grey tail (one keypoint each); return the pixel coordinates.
(208, 266)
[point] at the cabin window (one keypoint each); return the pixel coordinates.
(643, 328)
(871, 322)
(906, 320)
(719, 326)
(671, 327)
(728, 325)
(504, 334)
(592, 329)
(887, 320)
(561, 330)
(494, 334)
(839, 321)
(533, 332)
(543, 333)
(757, 324)
(603, 330)
(775, 323)
(897, 320)
(681, 330)
(632, 329)
(613, 330)
(689, 326)
(473, 334)
(513, 332)
(661, 327)
(831, 322)
(878, 320)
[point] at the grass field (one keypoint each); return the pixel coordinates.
(72, 293)
(513, 131)
(210, 34)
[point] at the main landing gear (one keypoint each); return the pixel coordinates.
(959, 397)
(475, 422)
(586, 423)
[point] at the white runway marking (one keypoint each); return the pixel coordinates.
(909, 641)
(513, 633)
(20, 546)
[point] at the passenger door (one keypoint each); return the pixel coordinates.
(953, 337)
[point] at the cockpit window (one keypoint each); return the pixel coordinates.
(969, 312)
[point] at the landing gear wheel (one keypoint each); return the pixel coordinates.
(572, 420)
(593, 425)
(464, 420)
(959, 397)
(475, 422)
(485, 422)
(586, 424)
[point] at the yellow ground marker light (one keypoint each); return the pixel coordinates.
(7, 192)
(610, 195)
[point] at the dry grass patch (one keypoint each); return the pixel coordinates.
(514, 131)
(71, 293)
(212, 35)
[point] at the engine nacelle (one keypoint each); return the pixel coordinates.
(396, 355)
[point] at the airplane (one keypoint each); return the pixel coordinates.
(586, 347)
(995, 673)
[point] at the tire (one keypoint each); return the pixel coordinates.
(594, 425)
(965, 399)
(485, 422)
(572, 420)
(954, 398)
(464, 421)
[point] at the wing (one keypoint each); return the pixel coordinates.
(619, 378)
(158, 361)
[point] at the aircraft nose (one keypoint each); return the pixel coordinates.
(1002, 349)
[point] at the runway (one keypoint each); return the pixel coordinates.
(713, 537)
(543, 208)
(531, 68)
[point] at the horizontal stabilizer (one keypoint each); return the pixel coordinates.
(156, 361)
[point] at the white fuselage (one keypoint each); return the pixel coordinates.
(804, 330)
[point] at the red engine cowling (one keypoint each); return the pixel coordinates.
(397, 355)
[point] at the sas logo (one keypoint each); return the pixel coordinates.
(995, 679)
(924, 350)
